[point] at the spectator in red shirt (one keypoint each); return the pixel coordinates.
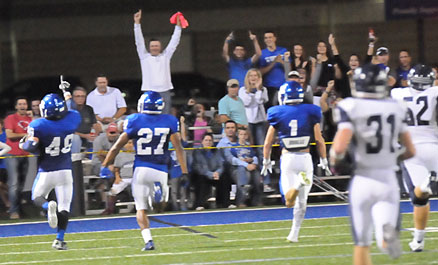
(16, 127)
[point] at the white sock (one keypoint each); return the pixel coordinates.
(146, 233)
(425, 186)
(419, 235)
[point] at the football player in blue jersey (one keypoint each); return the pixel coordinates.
(151, 132)
(51, 138)
(295, 124)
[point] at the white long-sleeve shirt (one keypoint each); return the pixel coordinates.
(155, 70)
(255, 110)
(4, 149)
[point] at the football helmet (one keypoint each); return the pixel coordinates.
(150, 102)
(421, 77)
(53, 107)
(370, 81)
(291, 92)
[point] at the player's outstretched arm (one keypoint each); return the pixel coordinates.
(176, 142)
(4, 149)
(406, 141)
(320, 142)
(109, 159)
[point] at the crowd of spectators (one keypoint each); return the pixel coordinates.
(253, 85)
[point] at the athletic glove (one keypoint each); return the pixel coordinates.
(64, 85)
(106, 173)
(267, 166)
(323, 164)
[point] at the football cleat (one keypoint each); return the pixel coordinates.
(59, 245)
(291, 238)
(148, 246)
(416, 246)
(51, 214)
(391, 237)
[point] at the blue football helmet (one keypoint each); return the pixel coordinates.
(421, 77)
(370, 81)
(53, 107)
(290, 92)
(150, 102)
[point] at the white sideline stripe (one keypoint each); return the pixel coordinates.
(53, 250)
(197, 212)
(223, 232)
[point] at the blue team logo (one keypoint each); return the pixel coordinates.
(52, 106)
(291, 92)
(150, 102)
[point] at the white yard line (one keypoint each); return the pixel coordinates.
(205, 252)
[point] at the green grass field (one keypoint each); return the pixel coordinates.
(322, 241)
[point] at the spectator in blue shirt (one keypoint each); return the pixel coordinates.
(238, 64)
(246, 172)
(272, 65)
(231, 107)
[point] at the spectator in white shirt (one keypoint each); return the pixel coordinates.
(107, 102)
(254, 95)
(155, 63)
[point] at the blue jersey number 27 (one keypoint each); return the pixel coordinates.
(144, 143)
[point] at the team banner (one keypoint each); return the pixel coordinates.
(398, 9)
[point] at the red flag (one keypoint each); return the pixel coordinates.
(184, 22)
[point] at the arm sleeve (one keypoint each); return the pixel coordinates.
(368, 59)
(92, 116)
(9, 124)
(121, 103)
(271, 117)
(220, 169)
(139, 42)
(223, 108)
(316, 75)
(235, 161)
(200, 165)
(245, 97)
(342, 66)
(174, 41)
(127, 128)
(261, 96)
